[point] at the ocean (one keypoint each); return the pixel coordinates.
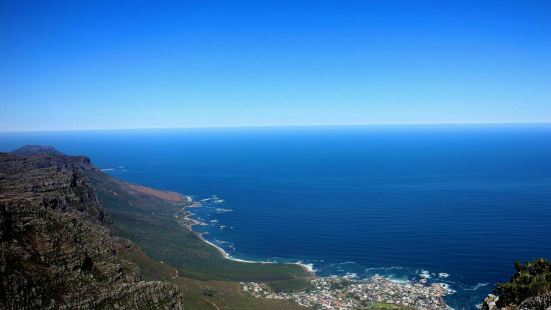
(454, 204)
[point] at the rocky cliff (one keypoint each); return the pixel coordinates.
(55, 251)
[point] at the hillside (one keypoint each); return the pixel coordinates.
(55, 250)
(153, 223)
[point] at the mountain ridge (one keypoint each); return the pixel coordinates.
(56, 251)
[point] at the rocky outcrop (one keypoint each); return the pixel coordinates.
(55, 251)
(490, 302)
(541, 302)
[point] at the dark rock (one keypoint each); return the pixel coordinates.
(55, 251)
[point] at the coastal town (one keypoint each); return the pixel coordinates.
(336, 292)
(348, 293)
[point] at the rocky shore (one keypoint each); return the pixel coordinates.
(185, 219)
(338, 292)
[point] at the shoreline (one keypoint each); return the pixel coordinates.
(308, 268)
(190, 222)
(373, 289)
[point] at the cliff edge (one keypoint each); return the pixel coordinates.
(55, 250)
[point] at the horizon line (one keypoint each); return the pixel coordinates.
(277, 126)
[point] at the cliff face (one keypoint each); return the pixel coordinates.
(55, 251)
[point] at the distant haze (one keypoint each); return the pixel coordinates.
(76, 65)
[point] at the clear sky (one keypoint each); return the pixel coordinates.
(153, 64)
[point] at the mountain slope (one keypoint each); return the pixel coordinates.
(55, 251)
(153, 223)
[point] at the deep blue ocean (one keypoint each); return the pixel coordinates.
(454, 204)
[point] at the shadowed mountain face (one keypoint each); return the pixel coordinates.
(55, 251)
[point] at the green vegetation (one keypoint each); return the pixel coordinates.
(531, 279)
(382, 306)
(225, 295)
(203, 294)
(169, 252)
(290, 285)
(151, 223)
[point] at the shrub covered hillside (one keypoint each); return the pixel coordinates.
(531, 284)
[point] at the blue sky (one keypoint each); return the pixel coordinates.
(139, 64)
